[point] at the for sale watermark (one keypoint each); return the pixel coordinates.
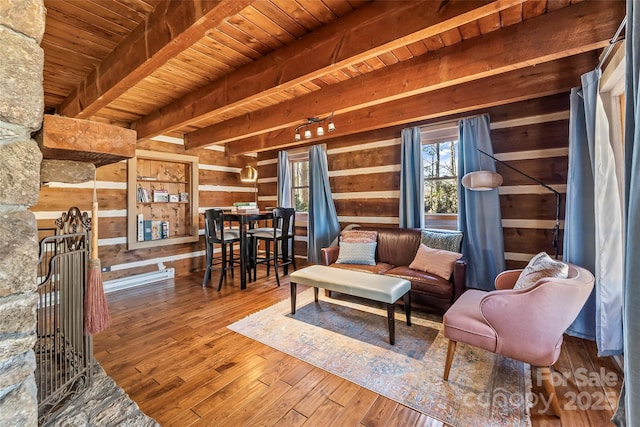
(580, 390)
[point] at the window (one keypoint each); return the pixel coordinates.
(299, 161)
(440, 177)
(440, 159)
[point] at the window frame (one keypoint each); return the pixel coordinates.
(434, 134)
(298, 156)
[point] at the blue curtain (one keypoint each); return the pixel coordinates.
(284, 180)
(479, 216)
(632, 213)
(593, 219)
(411, 180)
(323, 225)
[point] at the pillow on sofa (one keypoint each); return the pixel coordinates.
(449, 241)
(541, 266)
(357, 253)
(435, 261)
(359, 236)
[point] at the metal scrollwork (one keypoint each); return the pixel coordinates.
(74, 222)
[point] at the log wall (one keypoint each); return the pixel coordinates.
(364, 173)
(219, 186)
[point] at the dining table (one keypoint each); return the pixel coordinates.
(245, 221)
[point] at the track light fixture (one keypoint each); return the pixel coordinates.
(319, 130)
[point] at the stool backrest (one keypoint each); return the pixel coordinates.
(213, 225)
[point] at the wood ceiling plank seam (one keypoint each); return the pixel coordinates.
(338, 7)
(180, 68)
(310, 86)
(136, 13)
(54, 50)
(141, 8)
(319, 82)
(228, 41)
(157, 82)
(319, 10)
(78, 12)
(55, 17)
(351, 72)
(299, 14)
(329, 79)
(148, 93)
(171, 73)
(73, 44)
(112, 13)
(583, 28)
(254, 31)
(267, 25)
(375, 63)
(533, 8)
(273, 12)
(213, 46)
(243, 39)
(183, 85)
(203, 64)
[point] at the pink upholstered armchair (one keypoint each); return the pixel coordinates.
(523, 324)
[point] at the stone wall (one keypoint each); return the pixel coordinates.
(21, 109)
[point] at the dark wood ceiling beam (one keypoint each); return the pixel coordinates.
(568, 31)
(170, 28)
(514, 86)
(372, 30)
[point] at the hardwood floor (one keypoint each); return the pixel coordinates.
(171, 351)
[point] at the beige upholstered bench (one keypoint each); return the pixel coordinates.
(375, 287)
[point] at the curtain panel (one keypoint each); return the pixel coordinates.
(323, 225)
(479, 216)
(284, 180)
(593, 219)
(632, 213)
(411, 180)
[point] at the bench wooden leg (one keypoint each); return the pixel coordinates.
(293, 297)
(315, 294)
(392, 327)
(407, 307)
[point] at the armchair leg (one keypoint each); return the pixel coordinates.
(547, 384)
(447, 364)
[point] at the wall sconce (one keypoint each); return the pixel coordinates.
(319, 130)
(487, 180)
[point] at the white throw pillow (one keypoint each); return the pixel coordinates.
(541, 266)
(357, 253)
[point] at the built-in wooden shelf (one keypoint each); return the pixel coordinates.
(174, 173)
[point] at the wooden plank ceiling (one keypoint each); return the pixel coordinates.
(245, 73)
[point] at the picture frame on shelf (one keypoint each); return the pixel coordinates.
(160, 196)
(174, 197)
(184, 197)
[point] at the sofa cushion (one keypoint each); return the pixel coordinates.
(541, 266)
(357, 253)
(447, 240)
(359, 236)
(435, 261)
(397, 246)
(379, 268)
(423, 282)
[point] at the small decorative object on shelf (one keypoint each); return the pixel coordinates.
(174, 197)
(160, 196)
(184, 197)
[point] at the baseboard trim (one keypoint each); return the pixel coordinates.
(138, 280)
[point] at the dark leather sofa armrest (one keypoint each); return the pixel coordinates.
(329, 255)
(459, 278)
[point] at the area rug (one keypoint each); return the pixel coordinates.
(349, 338)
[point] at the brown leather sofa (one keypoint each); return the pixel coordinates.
(396, 249)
